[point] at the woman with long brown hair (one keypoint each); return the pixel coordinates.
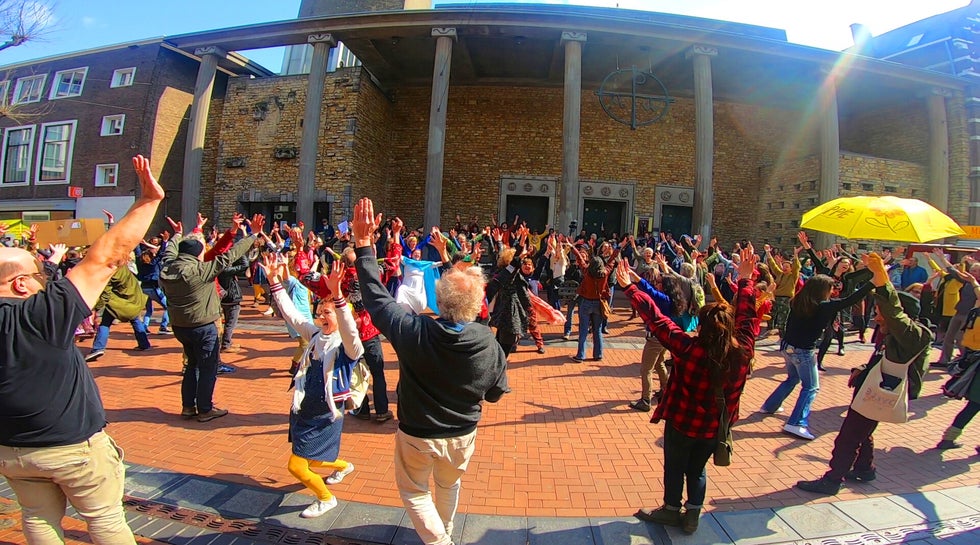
(716, 356)
(811, 312)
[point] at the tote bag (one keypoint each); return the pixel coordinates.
(875, 402)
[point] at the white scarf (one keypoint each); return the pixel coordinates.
(325, 348)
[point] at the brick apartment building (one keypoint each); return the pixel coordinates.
(73, 122)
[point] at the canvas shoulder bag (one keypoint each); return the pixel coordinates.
(877, 400)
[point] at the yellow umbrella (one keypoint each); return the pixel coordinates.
(881, 218)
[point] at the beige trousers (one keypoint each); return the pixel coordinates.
(652, 361)
(90, 475)
(445, 460)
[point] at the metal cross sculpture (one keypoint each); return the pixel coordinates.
(634, 97)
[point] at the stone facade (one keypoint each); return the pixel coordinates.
(766, 165)
(793, 188)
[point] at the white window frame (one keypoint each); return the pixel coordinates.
(106, 120)
(4, 90)
(99, 174)
(57, 83)
(116, 74)
(43, 78)
(3, 156)
(35, 216)
(68, 155)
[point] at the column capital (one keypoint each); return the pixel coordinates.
(573, 36)
(941, 91)
(321, 38)
(705, 50)
(210, 50)
(444, 32)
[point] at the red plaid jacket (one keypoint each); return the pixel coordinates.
(688, 403)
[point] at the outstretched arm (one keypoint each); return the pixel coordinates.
(111, 250)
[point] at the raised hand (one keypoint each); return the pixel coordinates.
(32, 232)
(437, 240)
(256, 224)
(749, 261)
(364, 223)
(3, 229)
(177, 226)
(623, 274)
(109, 217)
(336, 278)
(237, 220)
(270, 266)
(149, 188)
(876, 265)
(804, 240)
(712, 281)
(58, 252)
(201, 220)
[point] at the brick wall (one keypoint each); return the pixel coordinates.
(793, 188)
(261, 115)
(766, 166)
(896, 132)
(320, 8)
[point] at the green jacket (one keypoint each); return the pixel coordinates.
(905, 338)
(122, 297)
(192, 297)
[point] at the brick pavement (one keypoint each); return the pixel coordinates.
(564, 443)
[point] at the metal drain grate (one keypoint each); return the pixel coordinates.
(255, 531)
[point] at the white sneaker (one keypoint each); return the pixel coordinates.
(798, 431)
(764, 411)
(318, 508)
(269, 312)
(338, 476)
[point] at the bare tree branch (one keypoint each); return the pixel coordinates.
(22, 21)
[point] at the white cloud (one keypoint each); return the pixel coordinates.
(88, 21)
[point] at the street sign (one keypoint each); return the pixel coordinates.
(75, 192)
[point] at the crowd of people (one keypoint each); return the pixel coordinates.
(454, 305)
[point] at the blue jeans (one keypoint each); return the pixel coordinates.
(102, 335)
(589, 313)
(155, 294)
(568, 315)
(801, 366)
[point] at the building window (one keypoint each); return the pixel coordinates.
(867, 186)
(29, 89)
(105, 175)
(34, 217)
(4, 87)
(846, 186)
(123, 77)
(112, 125)
(68, 83)
(914, 192)
(798, 187)
(811, 201)
(813, 185)
(794, 223)
(17, 150)
(796, 206)
(768, 224)
(54, 165)
(891, 189)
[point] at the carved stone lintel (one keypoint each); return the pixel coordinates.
(210, 50)
(320, 38)
(573, 36)
(444, 32)
(235, 162)
(287, 152)
(698, 49)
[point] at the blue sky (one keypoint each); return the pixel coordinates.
(85, 24)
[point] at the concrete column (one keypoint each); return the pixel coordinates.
(437, 124)
(829, 188)
(704, 117)
(311, 129)
(938, 149)
(571, 129)
(190, 197)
